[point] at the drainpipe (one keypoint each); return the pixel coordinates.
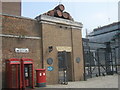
(73, 73)
(42, 47)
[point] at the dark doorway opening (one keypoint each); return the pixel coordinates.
(64, 63)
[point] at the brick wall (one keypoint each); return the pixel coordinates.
(11, 8)
(78, 52)
(52, 34)
(24, 27)
(62, 35)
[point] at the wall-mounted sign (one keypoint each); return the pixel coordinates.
(50, 68)
(49, 61)
(21, 50)
(77, 60)
(64, 48)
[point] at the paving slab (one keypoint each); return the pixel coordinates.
(110, 81)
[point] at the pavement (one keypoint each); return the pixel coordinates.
(109, 81)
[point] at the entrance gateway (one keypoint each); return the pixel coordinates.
(65, 67)
(19, 73)
(64, 64)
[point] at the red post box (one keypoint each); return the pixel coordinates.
(40, 77)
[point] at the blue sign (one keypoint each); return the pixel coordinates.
(50, 68)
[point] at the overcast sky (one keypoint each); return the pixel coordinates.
(91, 13)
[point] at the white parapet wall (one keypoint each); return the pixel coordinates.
(54, 20)
(119, 11)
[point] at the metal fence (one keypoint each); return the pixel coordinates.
(100, 61)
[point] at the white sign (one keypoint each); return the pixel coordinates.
(43, 74)
(21, 50)
(40, 74)
(64, 48)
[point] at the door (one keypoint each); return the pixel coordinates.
(15, 76)
(64, 63)
(28, 75)
(69, 66)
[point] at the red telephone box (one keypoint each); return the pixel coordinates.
(13, 73)
(27, 73)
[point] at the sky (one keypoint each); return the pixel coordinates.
(91, 13)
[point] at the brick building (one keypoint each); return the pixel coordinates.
(12, 8)
(38, 35)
